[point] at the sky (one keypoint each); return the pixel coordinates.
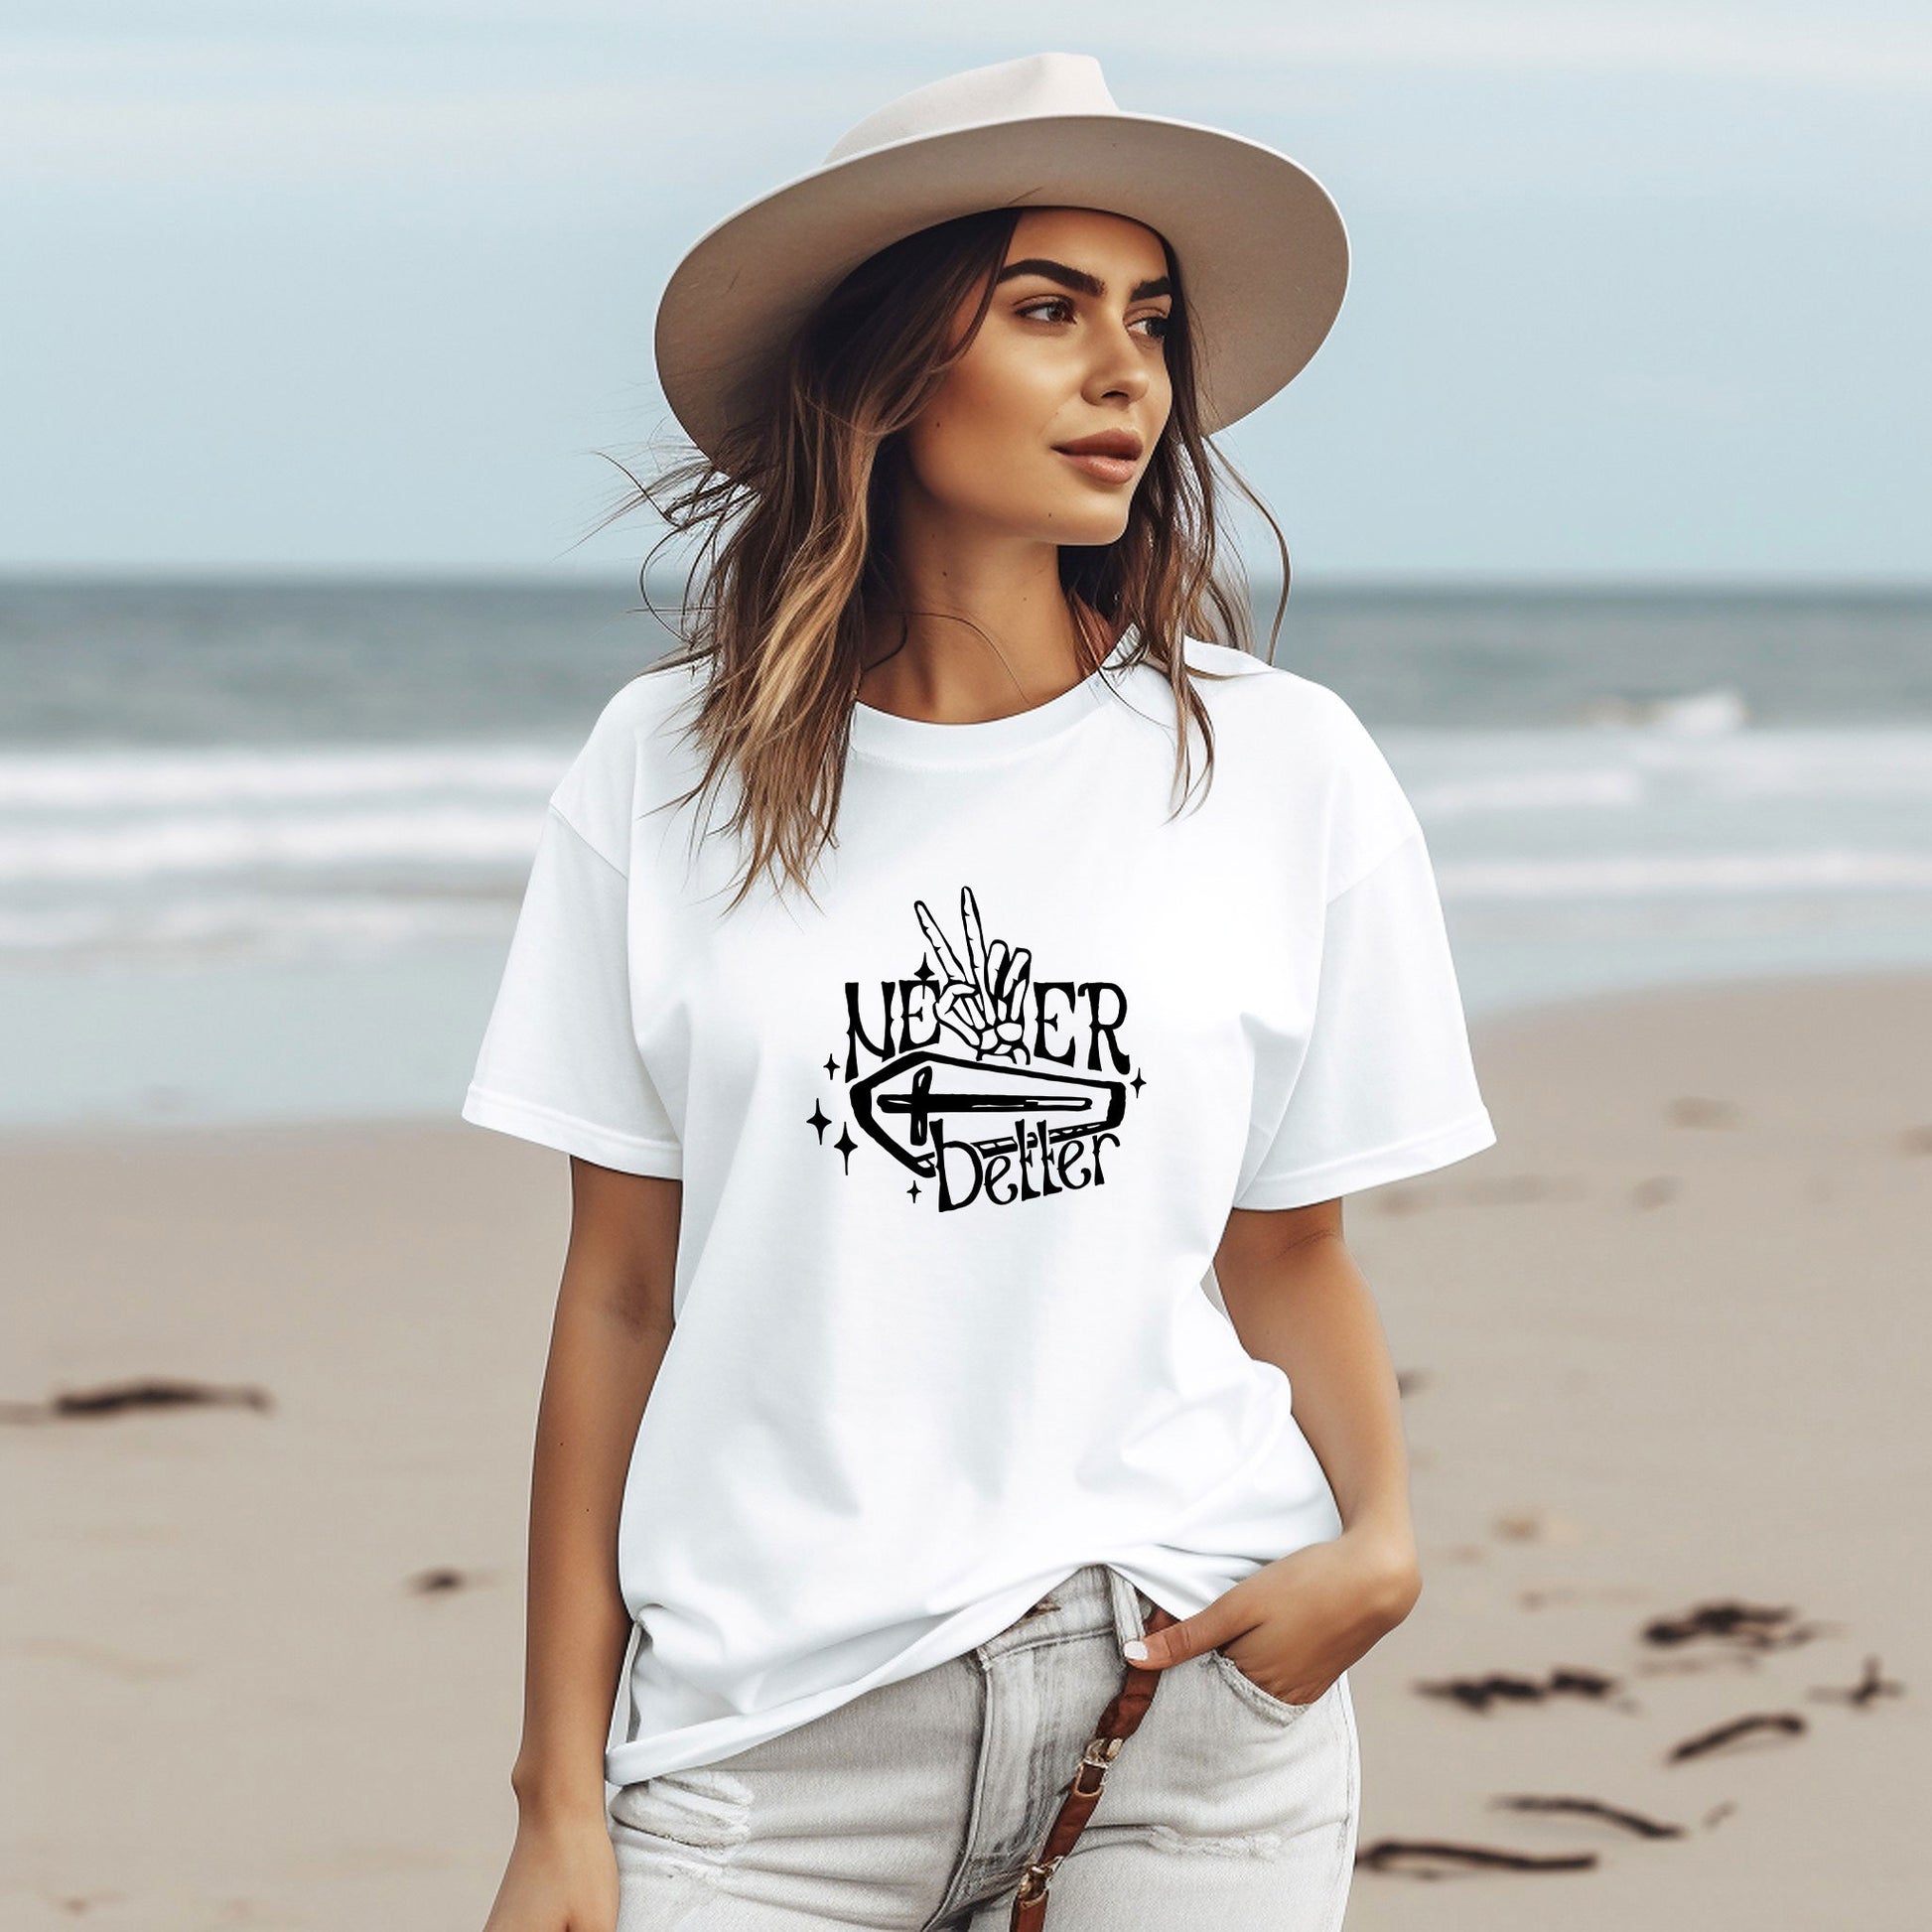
(1638, 292)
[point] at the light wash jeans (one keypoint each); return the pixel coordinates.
(915, 1806)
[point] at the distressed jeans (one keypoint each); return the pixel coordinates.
(915, 1806)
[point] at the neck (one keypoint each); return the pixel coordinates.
(982, 642)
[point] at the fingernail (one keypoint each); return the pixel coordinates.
(1135, 1652)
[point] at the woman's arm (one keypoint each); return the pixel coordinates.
(1297, 1299)
(612, 1327)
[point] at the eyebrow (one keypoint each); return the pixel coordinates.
(1079, 278)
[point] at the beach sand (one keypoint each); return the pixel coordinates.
(1663, 1348)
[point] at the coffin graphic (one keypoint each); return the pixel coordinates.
(899, 1104)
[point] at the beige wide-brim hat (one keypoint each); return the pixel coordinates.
(1263, 253)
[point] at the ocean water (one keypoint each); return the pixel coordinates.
(261, 843)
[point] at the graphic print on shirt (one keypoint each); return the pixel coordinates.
(990, 1086)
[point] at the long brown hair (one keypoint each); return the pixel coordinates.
(797, 555)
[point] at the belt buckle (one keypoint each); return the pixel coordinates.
(1035, 1877)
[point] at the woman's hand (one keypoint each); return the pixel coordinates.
(1296, 1623)
(562, 1876)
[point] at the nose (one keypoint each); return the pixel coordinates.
(1119, 366)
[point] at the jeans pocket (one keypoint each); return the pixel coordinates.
(1278, 1710)
(703, 1811)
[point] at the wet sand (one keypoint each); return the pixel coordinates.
(1663, 1348)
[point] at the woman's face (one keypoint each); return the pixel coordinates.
(1070, 348)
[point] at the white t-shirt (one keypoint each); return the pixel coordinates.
(957, 1146)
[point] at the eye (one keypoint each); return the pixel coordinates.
(1045, 302)
(1064, 303)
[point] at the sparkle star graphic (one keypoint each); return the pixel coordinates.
(1137, 1083)
(818, 1121)
(845, 1144)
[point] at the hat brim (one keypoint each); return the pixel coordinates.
(1259, 239)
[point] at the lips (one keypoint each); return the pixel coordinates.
(1107, 442)
(1110, 455)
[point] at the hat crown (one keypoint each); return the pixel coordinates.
(1008, 91)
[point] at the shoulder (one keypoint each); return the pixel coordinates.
(631, 756)
(1295, 711)
(1318, 760)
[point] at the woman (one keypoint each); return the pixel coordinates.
(888, 1404)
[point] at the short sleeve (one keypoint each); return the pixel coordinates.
(1387, 1087)
(559, 1063)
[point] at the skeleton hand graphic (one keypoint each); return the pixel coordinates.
(979, 1002)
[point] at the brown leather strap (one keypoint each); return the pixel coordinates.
(1116, 1724)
